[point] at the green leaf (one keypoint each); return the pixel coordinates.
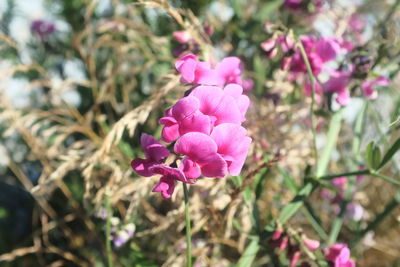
(333, 133)
(249, 254)
(373, 156)
(390, 153)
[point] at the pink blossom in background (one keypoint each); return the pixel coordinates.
(339, 255)
(311, 244)
(182, 37)
(301, 5)
(154, 152)
(317, 90)
(338, 83)
(368, 87)
(42, 28)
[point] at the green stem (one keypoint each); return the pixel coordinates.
(312, 81)
(108, 229)
(386, 178)
(187, 220)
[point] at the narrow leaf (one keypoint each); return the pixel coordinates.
(390, 153)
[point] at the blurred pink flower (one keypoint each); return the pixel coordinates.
(339, 254)
(154, 153)
(368, 87)
(182, 37)
(338, 84)
(311, 244)
(42, 28)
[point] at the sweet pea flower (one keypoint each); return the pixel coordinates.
(327, 48)
(155, 153)
(338, 84)
(311, 244)
(199, 72)
(368, 87)
(339, 255)
(204, 108)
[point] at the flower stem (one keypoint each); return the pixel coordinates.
(312, 81)
(187, 220)
(108, 229)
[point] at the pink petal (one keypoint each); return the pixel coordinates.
(190, 169)
(327, 49)
(170, 132)
(233, 145)
(141, 167)
(201, 149)
(153, 149)
(170, 172)
(343, 98)
(198, 122)
(181, 36)
(209, 96)
(166, 187)
(186, 65)
(185, 107)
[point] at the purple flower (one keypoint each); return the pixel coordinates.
(42, 28)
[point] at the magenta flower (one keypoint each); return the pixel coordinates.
(327, 48)
(311, 244)
(339, 255)
(204, 108)
(154, 153)
(42, 28)
(338, 84)
(182, 37)
(368, 87)
(198, 72)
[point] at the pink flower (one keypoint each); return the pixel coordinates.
(154, 153)
(339, 254)
(311, 244)
(338, 84)
(42, 28)
(182, 37)
(368, 87)
(198, 72)
(204, 108)
(327, 48)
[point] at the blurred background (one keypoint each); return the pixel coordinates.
(80, 80)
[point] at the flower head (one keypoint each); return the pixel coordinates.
(339, 254)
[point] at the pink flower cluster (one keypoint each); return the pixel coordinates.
(339, 255)
(283, 242)
(319, 52)
(205, 126)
